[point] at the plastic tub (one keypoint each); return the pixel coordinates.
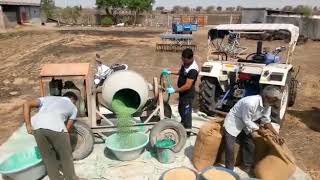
(24, 164)
(132, 151)
(228, 171)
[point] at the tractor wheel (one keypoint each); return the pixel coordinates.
(208, 94)
(170, 129)
(82, 140)
(278, 114)
(293, 85)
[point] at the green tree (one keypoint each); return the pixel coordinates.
(71, 14)
(138, 6)
(111, 7)
(287, 8)
(230, 8)
(219, 8)
(177, 9)
(210, 9)
(304, 10)
(199, 8)
(48, 7)
(239, 8)
(160, 8)
(186, 9)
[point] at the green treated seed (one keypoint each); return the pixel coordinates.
(124, 113)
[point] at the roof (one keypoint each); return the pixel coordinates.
(65, 69)
(21, 2)
(294, 30)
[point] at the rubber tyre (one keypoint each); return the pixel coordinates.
(293, 85)
(82, 140)
(275, 112)
(168, 124)
(207, 96)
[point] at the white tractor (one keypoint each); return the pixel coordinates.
(228, 75)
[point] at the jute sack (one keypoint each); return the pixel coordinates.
(262, 148)
(278, 164)
(274, 168)
(207, 145)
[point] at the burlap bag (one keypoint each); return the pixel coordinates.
(278, 163)
(207, 145)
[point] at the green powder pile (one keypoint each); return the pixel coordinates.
(165, 143)
(124, 110)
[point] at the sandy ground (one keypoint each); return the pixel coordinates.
(23, 52)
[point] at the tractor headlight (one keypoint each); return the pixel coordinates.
(206, 69)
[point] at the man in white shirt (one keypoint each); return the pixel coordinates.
(51, 133)
(244, 120)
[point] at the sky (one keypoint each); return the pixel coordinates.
(194, 3)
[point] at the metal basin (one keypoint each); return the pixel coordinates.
(135, 146)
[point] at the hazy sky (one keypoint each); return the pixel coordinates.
(193, 3)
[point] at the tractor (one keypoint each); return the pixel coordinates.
(229, 74)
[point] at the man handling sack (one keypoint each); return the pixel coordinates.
(244, 120)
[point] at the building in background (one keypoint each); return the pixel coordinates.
(13, 12)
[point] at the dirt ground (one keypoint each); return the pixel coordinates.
(23, 52)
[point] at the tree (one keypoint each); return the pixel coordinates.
(230, 8)
(177, 9)
(239, 8)
(186, 9)
(111, 7)
(315, 9)
(48, 7)
(210, 9)
(199, 8)
(304, 10)
(219, 8)
(138, 6)
(287, 8)
(71, 14)
(160, 8)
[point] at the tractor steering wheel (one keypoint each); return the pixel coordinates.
(250, 56)
(221, 53)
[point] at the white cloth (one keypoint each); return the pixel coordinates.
(53, 113)
(244, 114)
(194, 66)
(102, 70)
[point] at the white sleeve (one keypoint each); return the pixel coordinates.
(265, 119)
(246, 117)
(74, 114)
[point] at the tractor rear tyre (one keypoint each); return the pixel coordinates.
(208, 96)
(82, 140)
(293, 85)
(169, 129)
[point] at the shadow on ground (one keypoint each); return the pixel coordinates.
(311, 118)
(122, 34)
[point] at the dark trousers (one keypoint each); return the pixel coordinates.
(56, 151)
(247, 149)
(185, 111)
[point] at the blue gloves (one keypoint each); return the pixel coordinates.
(165, 72)
(171, 90)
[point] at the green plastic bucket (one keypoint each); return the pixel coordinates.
(164, 153)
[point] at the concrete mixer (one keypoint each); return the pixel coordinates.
(95, 112)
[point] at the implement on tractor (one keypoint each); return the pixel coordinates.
(179, 38)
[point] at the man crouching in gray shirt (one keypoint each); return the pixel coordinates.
(51, 133)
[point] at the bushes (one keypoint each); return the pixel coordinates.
(106, 21)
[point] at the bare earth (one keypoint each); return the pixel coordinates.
(22, 53)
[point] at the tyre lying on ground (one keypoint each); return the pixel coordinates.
(82, 140)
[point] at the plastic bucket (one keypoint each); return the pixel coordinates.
(227, 172)
(180, 173)
(164, 153)
(130, 152)
(24, 164)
